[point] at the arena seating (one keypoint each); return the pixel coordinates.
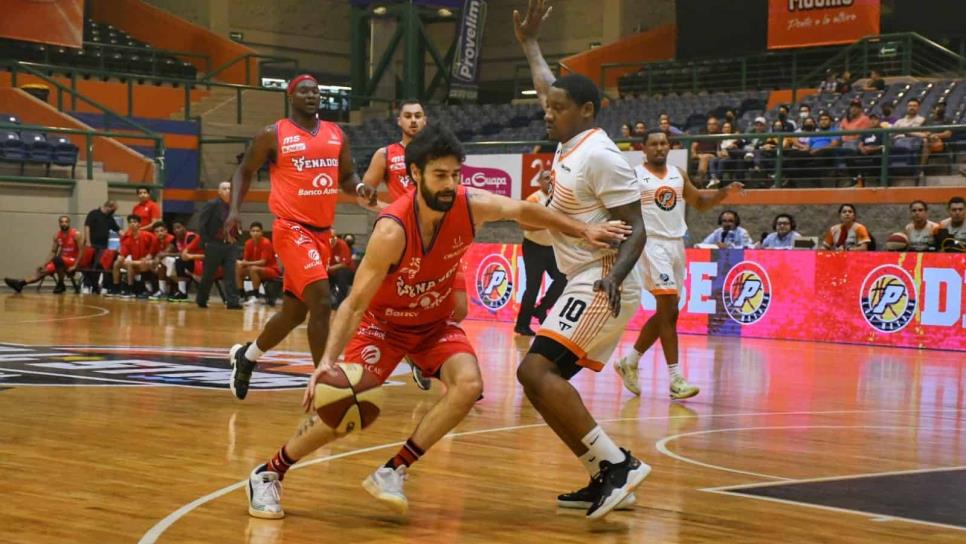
(31, 147)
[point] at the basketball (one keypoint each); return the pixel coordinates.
(348, 397)
(897, 241)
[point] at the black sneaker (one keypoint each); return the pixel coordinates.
(616, 482)
(16, 285)
(60, 288)
(178, 297)
(584, 498)
(241, 370)
(422, 382)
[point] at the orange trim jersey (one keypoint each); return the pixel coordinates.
(418, 290)
(305, 173)
(662, 202)
(397, 177)
(67, 242)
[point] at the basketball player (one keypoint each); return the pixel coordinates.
(258, 262)
(401, 305)
(664, 190)
(62, 259)
(388, 165)
(310, 160)
(166, 252)
(591, 182)
(179, 268)
(138, 247)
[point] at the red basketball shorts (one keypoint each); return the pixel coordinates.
(68, 262)
(379, 346)
(304, 252)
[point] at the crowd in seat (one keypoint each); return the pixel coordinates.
(105, 47)
(25, 147)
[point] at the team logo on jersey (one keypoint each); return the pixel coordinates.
(412, 268)
(301, 163)
(145, 366)
(888, 298)
(746, 292)
(494, 281)
(371, 355)
(292, 148)
(665, 198)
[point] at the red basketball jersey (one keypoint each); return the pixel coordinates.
(419, 288)
(305, 174)
(397, 177)
(68, 243)
(183, 243)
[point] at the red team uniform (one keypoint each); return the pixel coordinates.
(140, 245)
(303, 197)
(397, 177)
(68, 252)
(263, 251)
(410, 314)
(148, 212)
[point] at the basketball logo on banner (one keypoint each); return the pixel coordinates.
(746, 292)
(888, 298)
(494, 281)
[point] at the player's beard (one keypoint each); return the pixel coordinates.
(65, 228)
(433, 200)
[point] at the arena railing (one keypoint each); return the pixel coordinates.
(156, 140)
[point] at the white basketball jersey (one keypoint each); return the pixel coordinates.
(662, 202)
(589, 176)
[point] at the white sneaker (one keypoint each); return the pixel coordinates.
(264, 492)
(626, 368)
(681, 389)
(386, 485)
(250, 301)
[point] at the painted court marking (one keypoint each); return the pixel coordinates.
(155, 532)
(101, 312)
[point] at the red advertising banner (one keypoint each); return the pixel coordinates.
(58, 22)
(800, 23)
(898, 299)
(533, 164)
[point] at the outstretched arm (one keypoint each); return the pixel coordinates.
(527, 31)
(703, 202)
(488, 207)
(262, 148)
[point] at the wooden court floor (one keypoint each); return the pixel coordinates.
(117, 427)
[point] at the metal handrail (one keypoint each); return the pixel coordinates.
(153, 51)
(209, 77)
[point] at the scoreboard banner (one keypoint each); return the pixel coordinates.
(805, 23)
(882, 298)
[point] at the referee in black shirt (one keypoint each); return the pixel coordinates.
(97, 232)
(218, 250)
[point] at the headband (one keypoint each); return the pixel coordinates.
(299, 79)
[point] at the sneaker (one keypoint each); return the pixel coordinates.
(681, 389)
(264, 492)
(582, 499)
(422, 382)
(250, 301)
(386, 484)
(126, 293)
(713, 184)
(626, 368)
(157, 296)
(60, 288)
(241, 370)
(112, 292)
(143, 295)
(617, 481)
(16, 285)
(178, 297)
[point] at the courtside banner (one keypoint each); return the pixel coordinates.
(57, 22)
(466, 62)
(800, 23)
(498, 174)
(898, 299)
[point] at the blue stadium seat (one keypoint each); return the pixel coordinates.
(38, 149)
(65, 154)
(8, 118)
(11, 147)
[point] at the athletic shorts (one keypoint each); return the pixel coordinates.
(663, 265)
(380, 346)
(581, 320)
(268, 274)
(304, 252)
(68, 262)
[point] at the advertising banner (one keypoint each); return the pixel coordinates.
(897, 299)
(498, 174)
(465, 76)
(800, 23)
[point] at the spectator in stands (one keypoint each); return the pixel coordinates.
(830, 84)
(920, 231)
(848, 235)
(97, 233)
(951, 233)
(664, 120)
(823, 147)
(147, 209)
(62, 261)
(934, 142)
(855, 119)
(730, 234)
(784, 234)
(874, 83)
(754, 146)
(166, 250)
(640, 129)
(723, 158)
(221, 252)
(888, 115)
(258, 262)
(911, 142)
(703, 151)
(804, 112)
(788, 124)
(178, 267)
(340, 269)
(135, 257)
(844, 83)
(626, 134)
(868, 161)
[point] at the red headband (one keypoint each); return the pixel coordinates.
(299, 79)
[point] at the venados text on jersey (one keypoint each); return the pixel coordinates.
(302, 163)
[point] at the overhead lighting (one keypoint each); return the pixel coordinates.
(444, 12)
(531, 92)
(379, 10)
